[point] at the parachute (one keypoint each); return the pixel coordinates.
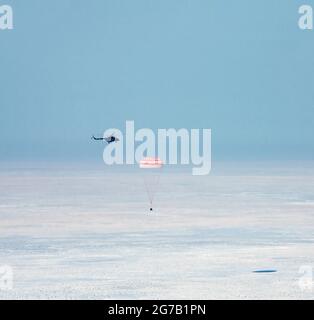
(151, 169)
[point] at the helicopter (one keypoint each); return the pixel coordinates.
(108, 139)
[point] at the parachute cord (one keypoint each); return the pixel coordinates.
(149, 190)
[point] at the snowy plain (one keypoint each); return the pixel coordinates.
(85, 232)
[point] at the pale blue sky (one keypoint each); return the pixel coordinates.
(71, 68)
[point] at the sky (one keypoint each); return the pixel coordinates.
(73, 68)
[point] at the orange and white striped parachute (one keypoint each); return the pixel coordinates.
(151, 163)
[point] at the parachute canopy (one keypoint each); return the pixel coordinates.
(151, 163)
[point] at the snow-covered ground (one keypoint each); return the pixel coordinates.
(83, 232)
